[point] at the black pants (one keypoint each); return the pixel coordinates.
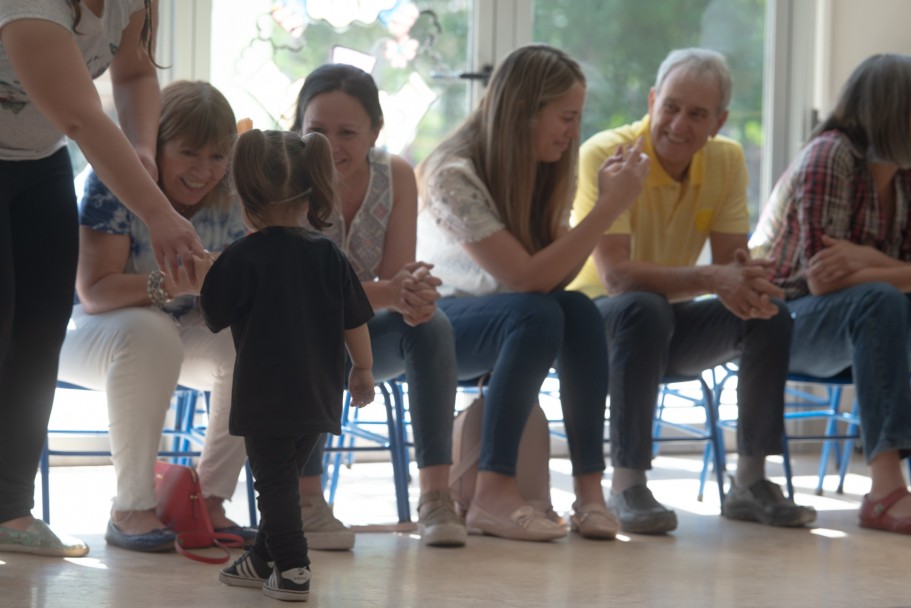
(649, 337)
(277, 462)
(39, 243)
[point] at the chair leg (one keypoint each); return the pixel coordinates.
(251, 496)
(397, 446)
(828, 444)
(715, 437)
(656, 427)
(337, 457)
(848, 448)
(398, 398)
(786, 457)
(45, 485)
(707, 455)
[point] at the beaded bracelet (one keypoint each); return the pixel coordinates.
(155, 288)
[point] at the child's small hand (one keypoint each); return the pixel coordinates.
(360, 385)
(202, 266)
(181, 285)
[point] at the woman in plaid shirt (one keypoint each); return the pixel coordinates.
(837, 226)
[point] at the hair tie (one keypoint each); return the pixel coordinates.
(303, 194)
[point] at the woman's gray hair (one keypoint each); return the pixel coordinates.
(874, 109)
(699, 62)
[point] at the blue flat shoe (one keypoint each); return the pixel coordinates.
(152, 541)
(245, 532)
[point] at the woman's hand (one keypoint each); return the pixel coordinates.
(842, 258)
(621, 178)
(417, 292)
(182, 285)
(174, 240)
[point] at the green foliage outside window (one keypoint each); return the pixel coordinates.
(621, 43)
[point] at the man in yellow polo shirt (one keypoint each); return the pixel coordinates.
(644, 278)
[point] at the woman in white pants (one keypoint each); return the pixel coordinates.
(137, 332)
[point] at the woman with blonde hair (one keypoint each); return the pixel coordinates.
(495, 201)
(137, 331)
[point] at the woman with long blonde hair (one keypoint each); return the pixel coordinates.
(495, 201)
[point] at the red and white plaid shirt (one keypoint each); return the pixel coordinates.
(828, 189)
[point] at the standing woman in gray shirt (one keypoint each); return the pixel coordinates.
(50, 50)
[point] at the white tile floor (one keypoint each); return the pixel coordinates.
(708, 561)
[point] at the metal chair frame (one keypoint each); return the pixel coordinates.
(187, 440)
(709, 433)
(339, 451)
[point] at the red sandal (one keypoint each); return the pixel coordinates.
(875, 514)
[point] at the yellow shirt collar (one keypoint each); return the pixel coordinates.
(657, 176)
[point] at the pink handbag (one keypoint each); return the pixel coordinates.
(182, 508)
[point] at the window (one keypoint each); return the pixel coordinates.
(621, 44)
(263, 49)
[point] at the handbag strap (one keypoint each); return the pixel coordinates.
(221, 540)
(470, 458)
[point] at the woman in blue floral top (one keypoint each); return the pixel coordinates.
(136, 331)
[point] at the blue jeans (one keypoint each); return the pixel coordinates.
(865, 327)
(517, 338)
(426, 355)
(649, 337)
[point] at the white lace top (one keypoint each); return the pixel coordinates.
(459, 209)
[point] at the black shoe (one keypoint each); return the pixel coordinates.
(764, 502)
(291, 585)
(640, 513)
(249, 570)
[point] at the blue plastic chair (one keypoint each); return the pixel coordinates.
(837, 440)
(709, 432)
(187, 439)
(841, 426)
(340, 450)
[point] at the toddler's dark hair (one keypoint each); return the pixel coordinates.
(283, 168)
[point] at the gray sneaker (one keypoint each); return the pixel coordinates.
(764, 502)
(438, 522)
(323, 531)
(640, 513)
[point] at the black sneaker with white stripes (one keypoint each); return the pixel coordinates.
(291, 585)
(249, 570)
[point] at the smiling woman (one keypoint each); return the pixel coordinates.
(124, 337)
(494, 212)
(189, 174)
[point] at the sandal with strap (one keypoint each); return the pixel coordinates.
(875, 513)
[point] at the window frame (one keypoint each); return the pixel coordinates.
(795, 43)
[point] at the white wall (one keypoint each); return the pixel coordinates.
(857, 29)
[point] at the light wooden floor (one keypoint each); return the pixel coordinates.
(708, 561)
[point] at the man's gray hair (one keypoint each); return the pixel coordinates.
(700, 62)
